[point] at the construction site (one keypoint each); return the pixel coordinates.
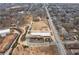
(38, 39)
(39, 29)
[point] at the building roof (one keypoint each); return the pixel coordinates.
(4, 31)
(41, 33)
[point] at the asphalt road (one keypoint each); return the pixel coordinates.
(61, 48)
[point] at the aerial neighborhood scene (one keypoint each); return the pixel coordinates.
(39, 29)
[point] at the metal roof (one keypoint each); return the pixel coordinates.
(4, 31)
(41, 33)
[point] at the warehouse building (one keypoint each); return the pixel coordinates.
(4, 32)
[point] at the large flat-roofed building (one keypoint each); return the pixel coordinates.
(3, 32)
(39, 35)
